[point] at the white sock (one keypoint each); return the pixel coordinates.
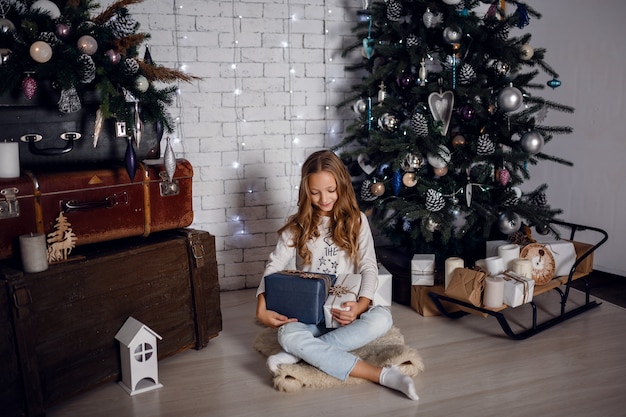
(391, 377)
(282, 357)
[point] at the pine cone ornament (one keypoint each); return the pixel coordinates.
(485, 145)
(467, 74)
(130, 66)
(540, 200)
(504, 176)
(419, 124)
(434, 200)
(522, 237)
(366, 191)
(511, 200)
(88, 69)
(394, 10)
(122, 26)
(412, 41)
(29, 87)
(50, 38)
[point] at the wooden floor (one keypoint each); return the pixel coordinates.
(575, 369)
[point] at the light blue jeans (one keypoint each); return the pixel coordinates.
(329, 349)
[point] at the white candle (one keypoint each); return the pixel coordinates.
(450, 265)
(34, 252)
(523, 267)
(495, 265)
(9, 160)
(494, 292)
(508, 253)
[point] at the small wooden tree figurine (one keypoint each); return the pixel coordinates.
(61, 241)
(138, 351)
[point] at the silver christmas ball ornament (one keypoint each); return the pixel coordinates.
(6, 26)
(360, 106)
(510, 99)
(532, 142)
(452, 34)
(508, 224)
(526, 52)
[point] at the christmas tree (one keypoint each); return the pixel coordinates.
(449, 122)
(84, 54)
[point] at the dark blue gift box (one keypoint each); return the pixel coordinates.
(298, 294)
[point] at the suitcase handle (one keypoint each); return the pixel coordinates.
(107, 202)
(70, 137)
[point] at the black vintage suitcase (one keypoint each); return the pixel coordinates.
(49, 138)
(65, 319)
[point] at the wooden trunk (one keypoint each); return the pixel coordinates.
(65, 319)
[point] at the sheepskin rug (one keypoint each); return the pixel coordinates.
(386, 350)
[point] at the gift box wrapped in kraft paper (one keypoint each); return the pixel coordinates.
(423, 269)
(424, 305)
(298, 294)
(466, 285)
(518, 289)
(346, 288)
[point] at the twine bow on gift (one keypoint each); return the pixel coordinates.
(508, 276)
(339, 290)
(312, 275)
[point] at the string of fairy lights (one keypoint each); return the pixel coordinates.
(291, 39)
(178, 105)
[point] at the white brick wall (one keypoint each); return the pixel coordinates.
(243, 207)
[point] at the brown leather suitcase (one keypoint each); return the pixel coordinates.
(62, 322)
(99, 204)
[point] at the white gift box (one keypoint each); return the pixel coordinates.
(383, 292)
(491, 247)
(423, 269)
(518, 290)
(564, 256)
(346, 288)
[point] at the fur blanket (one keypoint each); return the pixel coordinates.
(386, 350)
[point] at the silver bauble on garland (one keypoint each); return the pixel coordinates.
(509, 224)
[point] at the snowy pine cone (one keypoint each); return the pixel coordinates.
(540, 200)
(485, 145)
(366, 191)
(434, 200)
(87, 68)
(419, 124)
(467, 74)
(122, 26)
(394, 10)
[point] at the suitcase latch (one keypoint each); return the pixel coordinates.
(168, 187)
(9, 207)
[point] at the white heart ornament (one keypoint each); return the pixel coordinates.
(363, 160)
(441, 106)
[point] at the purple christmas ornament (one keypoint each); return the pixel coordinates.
(130, 159)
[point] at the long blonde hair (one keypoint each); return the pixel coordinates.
(345, 219)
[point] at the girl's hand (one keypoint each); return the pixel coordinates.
(273, 319)
(268, 317)
(350, 311)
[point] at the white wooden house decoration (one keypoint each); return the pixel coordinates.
(138, 351)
